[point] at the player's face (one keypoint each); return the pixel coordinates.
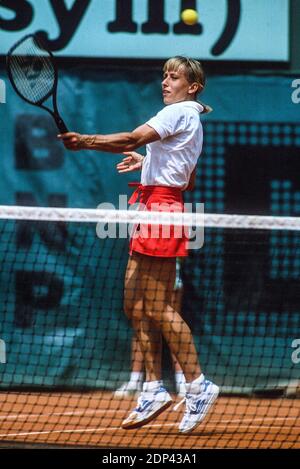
(175, 86)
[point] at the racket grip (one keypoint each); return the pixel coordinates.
(61, 125)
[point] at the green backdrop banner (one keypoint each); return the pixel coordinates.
(62, 319)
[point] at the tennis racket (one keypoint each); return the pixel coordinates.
(33, 75)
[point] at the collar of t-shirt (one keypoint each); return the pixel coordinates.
(192, 104)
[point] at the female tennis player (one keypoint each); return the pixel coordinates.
(174, 143)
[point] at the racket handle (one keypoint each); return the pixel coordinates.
(61, 125)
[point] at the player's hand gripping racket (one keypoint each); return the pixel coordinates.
(33, 75)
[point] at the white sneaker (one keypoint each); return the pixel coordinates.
(150, 404)
(197, 406)
(129, 389)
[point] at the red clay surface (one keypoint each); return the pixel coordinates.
(94, 419)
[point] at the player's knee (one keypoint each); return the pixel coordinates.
(132, 309)
(153, 311)
(136, 314)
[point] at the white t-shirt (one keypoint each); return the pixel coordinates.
(171, 160)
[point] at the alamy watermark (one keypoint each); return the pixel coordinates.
(2, 351)
(2, 92)
(162, 221)
(296, 93)
(296, 353)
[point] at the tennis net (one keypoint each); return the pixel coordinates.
(66, 346)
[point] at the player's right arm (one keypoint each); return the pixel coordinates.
(112, 143)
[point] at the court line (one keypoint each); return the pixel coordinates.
(105, 429)
(49, 432)
(57, 414)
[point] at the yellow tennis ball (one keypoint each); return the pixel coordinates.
(189, 16)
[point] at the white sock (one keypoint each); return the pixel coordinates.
(152, 385)
(136, 377)
(196, 386)
(179, 377)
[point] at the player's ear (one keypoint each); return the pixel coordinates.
(195, 88)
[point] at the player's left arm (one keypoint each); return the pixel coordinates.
(113, 143)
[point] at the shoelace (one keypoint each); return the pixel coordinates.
(190, 404)
(176, 407)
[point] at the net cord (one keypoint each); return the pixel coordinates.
(209, 220)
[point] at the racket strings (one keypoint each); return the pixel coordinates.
(32, 71)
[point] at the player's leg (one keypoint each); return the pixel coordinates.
(135, 382)
(176, 303)
(200, 393)
(133, 305)
(147, 333)
(158, 275)
(154, 398)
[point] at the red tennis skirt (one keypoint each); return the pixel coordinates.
(158, 240)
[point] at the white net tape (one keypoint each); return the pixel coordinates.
(209, 220)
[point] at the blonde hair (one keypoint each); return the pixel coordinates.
(193, 72)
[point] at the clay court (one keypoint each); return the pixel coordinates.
(94, 420)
